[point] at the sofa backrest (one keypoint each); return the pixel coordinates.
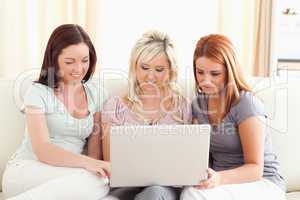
(12, 124)
(281, 100)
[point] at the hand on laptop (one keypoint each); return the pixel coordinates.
(213, 180)
(99, 167)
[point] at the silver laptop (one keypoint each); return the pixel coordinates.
(170, 155)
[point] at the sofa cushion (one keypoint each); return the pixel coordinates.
(12, 124)
(281, 99)
(293, 196)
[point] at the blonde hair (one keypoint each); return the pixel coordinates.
(219, 49)
(152, 44)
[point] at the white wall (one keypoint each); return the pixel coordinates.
(289, 30)
(123, 22)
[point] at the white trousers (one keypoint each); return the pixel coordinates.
(259, 190)
(34, 180)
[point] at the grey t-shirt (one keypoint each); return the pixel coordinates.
(225, 146)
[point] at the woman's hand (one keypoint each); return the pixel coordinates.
(99, 167)
(214, 180)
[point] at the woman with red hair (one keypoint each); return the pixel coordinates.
(242, 162)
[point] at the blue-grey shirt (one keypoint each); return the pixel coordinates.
(225, 146)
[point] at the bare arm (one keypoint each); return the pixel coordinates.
(52, 154)
(106, 141)
(94, 140)
(195, 120)
(251, 133)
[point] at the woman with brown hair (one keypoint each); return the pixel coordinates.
(242, 162)
(62, 112)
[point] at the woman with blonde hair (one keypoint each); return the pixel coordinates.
(242, 162)
(152, 98)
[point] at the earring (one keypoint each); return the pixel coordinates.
(199, 91)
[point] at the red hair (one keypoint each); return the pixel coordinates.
(219, 49)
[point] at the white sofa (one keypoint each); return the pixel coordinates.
(281, 97)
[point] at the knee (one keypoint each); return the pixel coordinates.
(93, 187)
(190, 193)
(156, 193)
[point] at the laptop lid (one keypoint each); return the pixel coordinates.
(159, 155)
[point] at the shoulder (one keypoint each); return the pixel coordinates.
(37, 95)
(249, 101)
(37, 90)
(113, 111)
(114, 103)
(247, 106)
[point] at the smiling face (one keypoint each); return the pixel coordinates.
(73, 63)
(210, 75)
(153, 76)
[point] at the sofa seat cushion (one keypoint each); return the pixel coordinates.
(290, 196)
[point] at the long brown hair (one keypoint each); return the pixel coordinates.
(62, 37)
(219, 48)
